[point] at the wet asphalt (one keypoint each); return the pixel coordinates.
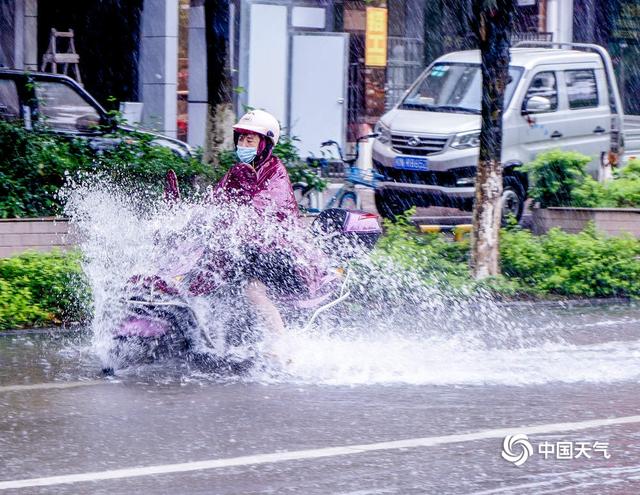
(59, 417)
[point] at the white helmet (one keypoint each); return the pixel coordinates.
(260, 122)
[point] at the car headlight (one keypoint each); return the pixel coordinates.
(466, 140)
(384, 134)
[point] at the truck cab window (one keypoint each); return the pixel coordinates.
(63, 109)
(9, 101)
(544, 84)
(582, 89)
(455, 86)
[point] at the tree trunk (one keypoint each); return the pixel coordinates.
(492, 24)
(220, 114)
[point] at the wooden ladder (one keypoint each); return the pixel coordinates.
(52, 57)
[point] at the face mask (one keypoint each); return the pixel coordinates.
(246, 155)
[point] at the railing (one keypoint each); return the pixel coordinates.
(404, 65)
(531, 36)
(406, 61)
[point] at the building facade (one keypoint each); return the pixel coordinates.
(304, 60)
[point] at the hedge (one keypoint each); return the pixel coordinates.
(39, 289)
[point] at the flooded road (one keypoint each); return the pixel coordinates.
(342, 417)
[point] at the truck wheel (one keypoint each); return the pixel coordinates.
(513, 198)
(387, 206)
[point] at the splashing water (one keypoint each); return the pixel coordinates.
(394, 329)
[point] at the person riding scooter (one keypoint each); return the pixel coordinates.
(244, 248)
(261, 180)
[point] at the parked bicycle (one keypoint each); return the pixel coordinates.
(347, 197)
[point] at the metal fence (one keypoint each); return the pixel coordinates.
(531, 36)
(406, 61)
(404, 65)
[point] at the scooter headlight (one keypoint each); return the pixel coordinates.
(384, 133)
(466, 140)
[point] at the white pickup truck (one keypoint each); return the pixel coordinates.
(558, 97)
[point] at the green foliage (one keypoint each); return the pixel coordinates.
(35, 165)
(435, 259)
(590, 194)
(631, 171)
(621, 192)
(302, 172)
(42, 288)
(18, 309)
(137, 160)
(299, 171)
(588, 264)
(554, 176)
(559, 178)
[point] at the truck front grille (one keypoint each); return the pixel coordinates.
(418, 145)
(431, 178)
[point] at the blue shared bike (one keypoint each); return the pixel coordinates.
(347, 197)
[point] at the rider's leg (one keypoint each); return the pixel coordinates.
(257, 294)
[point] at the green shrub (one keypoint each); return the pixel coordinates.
(554, 176)
(18, 309)
(523, 257)
(621, 192)
(435, 259)
(591, 194)
(42, 288)
(588, 264)
(34, 165)
(559, 178)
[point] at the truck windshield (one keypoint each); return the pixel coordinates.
(454, 87)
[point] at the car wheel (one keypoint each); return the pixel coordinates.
(513, 198)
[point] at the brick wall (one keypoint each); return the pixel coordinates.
(35, 234)
(611, 221)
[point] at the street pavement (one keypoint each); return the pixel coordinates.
(164, 429)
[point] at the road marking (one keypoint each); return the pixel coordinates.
(52, 385)
(313, 453)
(298, 455)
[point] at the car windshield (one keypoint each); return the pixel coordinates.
(450, 87)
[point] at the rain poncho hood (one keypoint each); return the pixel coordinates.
(267, 188)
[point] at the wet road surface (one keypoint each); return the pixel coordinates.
(164, 429)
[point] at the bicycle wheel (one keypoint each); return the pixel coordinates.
(303, 198)
(349, 201)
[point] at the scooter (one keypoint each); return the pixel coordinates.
(161, 314)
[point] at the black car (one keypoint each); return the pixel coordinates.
(58, 104)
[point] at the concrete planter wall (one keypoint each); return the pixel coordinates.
(33, 234)
(611, 221)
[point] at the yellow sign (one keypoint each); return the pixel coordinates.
(376, 39)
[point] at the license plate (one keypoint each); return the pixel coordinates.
(410, 163)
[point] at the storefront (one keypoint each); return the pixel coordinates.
(154, 52)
